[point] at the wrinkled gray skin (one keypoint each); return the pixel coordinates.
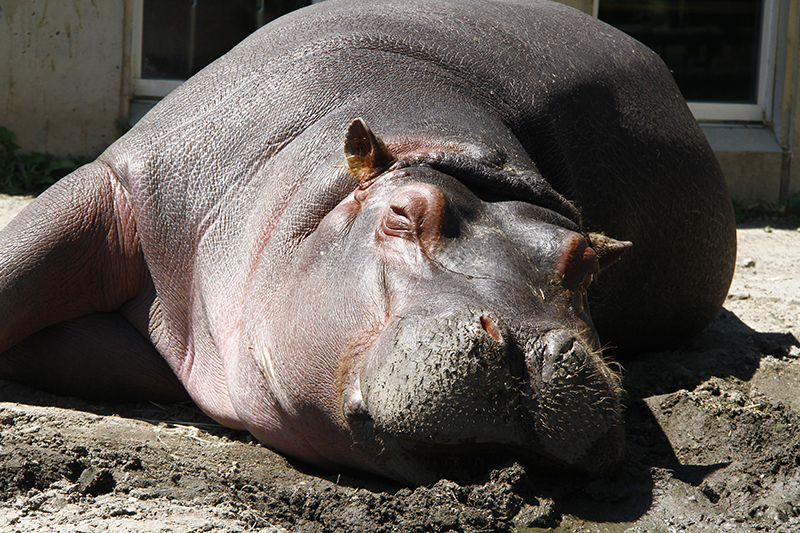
(423, 300)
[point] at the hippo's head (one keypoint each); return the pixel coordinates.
(450, 324)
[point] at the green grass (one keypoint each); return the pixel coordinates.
(786, 212)
(33, 172)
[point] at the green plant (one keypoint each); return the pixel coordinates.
(34, 172)
(791, 207)
(787, 211)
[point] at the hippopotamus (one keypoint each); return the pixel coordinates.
(398, 236)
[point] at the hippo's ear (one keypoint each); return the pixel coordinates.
(608, 250)
(367, 154)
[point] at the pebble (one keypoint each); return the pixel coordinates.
(737, 398)
(709, 387)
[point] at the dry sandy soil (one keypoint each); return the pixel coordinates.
(713, 445)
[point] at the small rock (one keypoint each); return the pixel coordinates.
(64, 485)
(709, 387)
(95, 481)
(737, 398)
(738, 296)
(748, 263)
(542, 515)
(35, 502)
(121, 511)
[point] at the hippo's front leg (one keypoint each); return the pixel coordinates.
(99, 356)
(68, 262)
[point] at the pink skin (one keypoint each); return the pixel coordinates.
(295, 402)
(298, 363)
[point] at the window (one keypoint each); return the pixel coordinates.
(176, 38)
(721, 52)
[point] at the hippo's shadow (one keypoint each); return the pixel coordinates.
(182, 413)
(726, 348)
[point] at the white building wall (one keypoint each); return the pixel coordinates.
(62, 72)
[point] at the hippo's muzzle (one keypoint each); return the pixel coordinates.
(462, 383)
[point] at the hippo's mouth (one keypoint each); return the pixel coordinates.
(417, 462)
(422, 462)
(436, 395)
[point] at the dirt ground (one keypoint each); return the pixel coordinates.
(713, 445)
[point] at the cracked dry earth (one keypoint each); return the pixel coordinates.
(713, 445)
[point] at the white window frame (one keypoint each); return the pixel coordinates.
(761, 111)
(145, 87)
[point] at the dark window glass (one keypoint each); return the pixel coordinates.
(180, 37)
(711, 46)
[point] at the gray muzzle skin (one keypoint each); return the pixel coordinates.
(464, 384)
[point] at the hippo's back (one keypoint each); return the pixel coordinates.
(256, 138)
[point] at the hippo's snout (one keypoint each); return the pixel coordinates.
(463, 383)
(575, 398)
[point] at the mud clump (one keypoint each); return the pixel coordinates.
(66, 462)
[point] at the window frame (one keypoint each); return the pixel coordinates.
(146, 88)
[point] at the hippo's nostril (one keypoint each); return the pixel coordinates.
(550, 352)
(574, 402)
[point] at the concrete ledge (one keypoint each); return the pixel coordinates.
(751, 160)
(740, 138)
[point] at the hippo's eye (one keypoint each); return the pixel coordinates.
(414, 213)
(397, 221)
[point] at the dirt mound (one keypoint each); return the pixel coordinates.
(68, 466)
